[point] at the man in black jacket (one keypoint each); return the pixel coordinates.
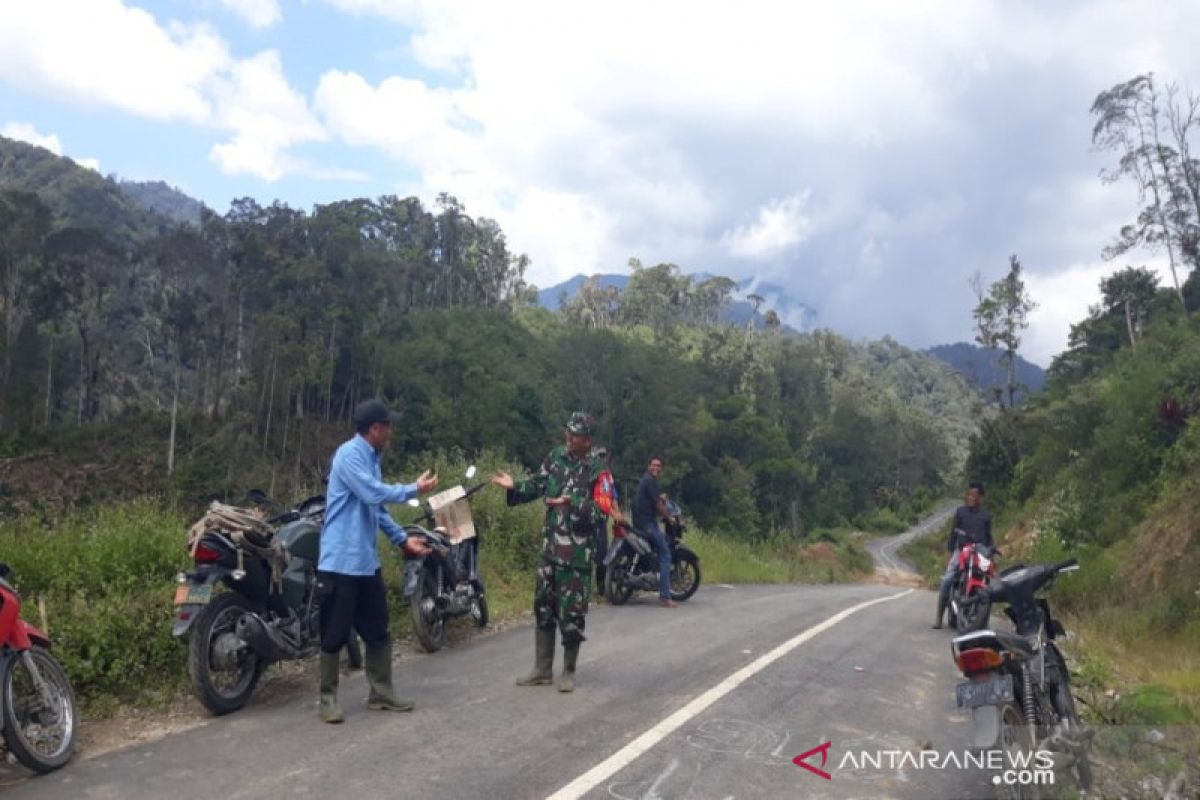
(648, 509)
(971, 525)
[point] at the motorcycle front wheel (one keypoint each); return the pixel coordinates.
(1064, 704)
(39, 731)
(222, 667)
(616, 579)
(972, 616)
(685, 574)
(429, 624)
(479, 611)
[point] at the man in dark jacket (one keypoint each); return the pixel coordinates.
(648, 508)
(972, 525)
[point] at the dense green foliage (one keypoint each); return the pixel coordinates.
(234, 351)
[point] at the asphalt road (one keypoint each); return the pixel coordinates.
(711, 700)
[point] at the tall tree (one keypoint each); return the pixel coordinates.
(1001, 316)
(1130, 119)
(1130, 292)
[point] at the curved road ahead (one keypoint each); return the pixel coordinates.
(712, 700)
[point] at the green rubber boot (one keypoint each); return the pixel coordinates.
(330, 710)
(543, 663)
(378, 666)
(570, 654)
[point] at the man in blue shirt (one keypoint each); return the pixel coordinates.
(349, 579)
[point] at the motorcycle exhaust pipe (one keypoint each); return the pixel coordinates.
(264, 640)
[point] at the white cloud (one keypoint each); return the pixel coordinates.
(779, 226)
(111, 54)
(25, 132)
(256, 13)
(90, 163)
(918, 129)
(119, 56)
(267, 116)
(1063, 299)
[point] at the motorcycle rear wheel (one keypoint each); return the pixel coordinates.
(685, 575)
(429, 624)
(40, 738)
(616, 579)
(213, 624)
(1015, 740)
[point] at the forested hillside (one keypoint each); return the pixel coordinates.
(984, 369)
(1104, 465)
(201, 358)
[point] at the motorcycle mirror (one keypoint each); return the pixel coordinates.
(414, 502)
(470, 472)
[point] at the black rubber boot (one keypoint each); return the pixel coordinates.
(570, 654)
(941, 611)
(543, 661)
(378, 662)
(330, 710)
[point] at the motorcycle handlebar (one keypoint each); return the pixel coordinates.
(1070, 562)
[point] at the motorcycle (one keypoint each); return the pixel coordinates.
(631, 564)
(445, 584)
(1018, 688)
(269, 613)
(39, 713)
(976, 570)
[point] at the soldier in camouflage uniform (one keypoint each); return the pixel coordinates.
(564, 578)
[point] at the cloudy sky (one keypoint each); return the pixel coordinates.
(869, 156)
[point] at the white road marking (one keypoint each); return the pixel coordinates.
(630, 752)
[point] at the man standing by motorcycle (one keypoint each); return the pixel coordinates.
(648, 507)
(566, 479)
(971, 525)
(349, 578)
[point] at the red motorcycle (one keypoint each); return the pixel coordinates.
(36, 700)
(976, 570)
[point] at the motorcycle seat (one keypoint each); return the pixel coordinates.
(1019, 645)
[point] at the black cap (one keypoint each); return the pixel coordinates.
(368, 412)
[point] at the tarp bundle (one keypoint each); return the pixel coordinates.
(248, 530)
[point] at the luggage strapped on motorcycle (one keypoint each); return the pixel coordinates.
(249, 531)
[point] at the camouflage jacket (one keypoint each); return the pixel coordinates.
(567, 534)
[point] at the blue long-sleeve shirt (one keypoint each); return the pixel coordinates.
(354, 510)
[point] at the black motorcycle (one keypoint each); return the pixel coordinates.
(268, 611)
(632, 565)
(445, 584)
(1018, 687)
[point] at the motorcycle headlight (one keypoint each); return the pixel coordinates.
(985, 563)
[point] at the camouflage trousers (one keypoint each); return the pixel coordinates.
(561, 596)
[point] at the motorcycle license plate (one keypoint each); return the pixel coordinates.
(985, 693)
(193, 594)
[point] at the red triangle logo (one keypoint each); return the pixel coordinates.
(802, 760)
